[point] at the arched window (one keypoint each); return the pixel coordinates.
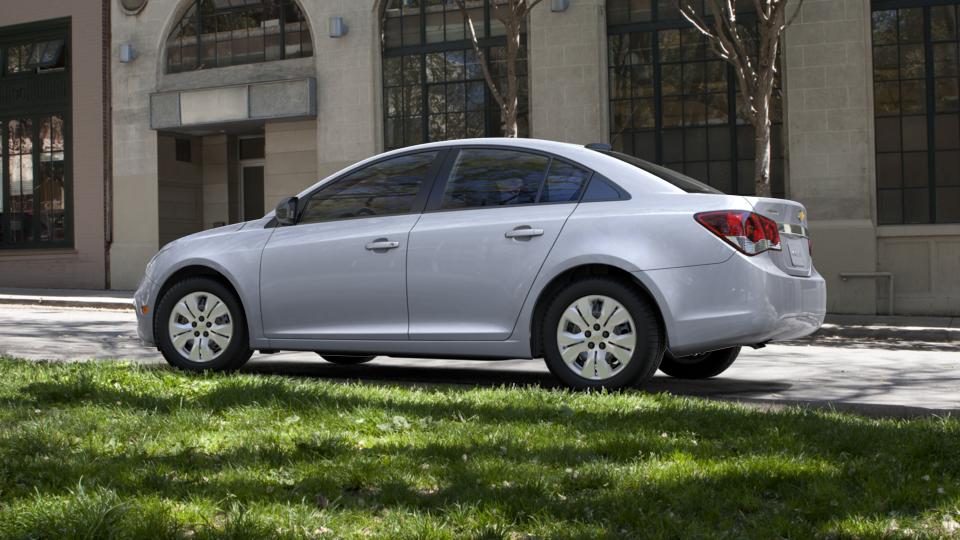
(433, 86)
(674, 102)
(219, 33)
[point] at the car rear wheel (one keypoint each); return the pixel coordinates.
(601, 333)
(200, 327)
(699, 366)
(344, 360)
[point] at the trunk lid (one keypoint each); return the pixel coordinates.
(791, 217)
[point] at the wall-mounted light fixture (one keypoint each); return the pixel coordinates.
(338, 28)
(127, 54)
(557, 6)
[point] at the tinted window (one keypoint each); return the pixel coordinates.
(678, 180)
(382, 189)
(564, 183)
(486, 177)
(600, 189)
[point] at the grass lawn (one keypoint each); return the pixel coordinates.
(107, 450)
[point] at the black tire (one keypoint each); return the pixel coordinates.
(699, 366)
(237, 352)
(649, 339)
(344, 360)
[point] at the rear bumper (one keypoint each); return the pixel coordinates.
(146, 295)
(742, 301)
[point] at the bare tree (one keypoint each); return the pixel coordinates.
(512, 14)
(756, 75)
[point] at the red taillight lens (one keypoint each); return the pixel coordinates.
(748, 232)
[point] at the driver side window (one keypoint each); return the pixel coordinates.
(386, 188)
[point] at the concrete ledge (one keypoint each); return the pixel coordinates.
(936, 329)
(75, 298)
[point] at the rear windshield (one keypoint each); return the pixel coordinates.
(679, 180)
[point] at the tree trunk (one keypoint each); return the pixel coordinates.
(761, 168)
(511, 98)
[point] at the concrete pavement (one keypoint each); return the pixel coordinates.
(866, 375)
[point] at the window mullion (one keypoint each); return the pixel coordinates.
(5, 238)
(35, 157)
(657, 99)
(931, 115)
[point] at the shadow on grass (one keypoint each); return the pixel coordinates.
(527, 458)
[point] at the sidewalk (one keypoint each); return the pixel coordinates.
(933, 329)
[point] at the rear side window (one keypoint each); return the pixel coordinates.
(386, 188)
(484, 177)
(600, 189)
(564, 182)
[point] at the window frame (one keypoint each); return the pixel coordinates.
(486, 42)
(732, 155)
(198, 64)
(435, 201)
(419, 202)
(930, 112)
(35, 112)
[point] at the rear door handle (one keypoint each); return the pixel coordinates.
(382, 244)
(524, 232)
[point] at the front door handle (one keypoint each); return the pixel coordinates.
(524, 232)
(382, 243)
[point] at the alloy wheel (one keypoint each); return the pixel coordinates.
(596, 337)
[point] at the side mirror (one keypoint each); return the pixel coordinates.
(286, 213)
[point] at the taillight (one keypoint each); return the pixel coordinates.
(750, 233)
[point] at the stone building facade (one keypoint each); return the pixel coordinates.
(212, 128)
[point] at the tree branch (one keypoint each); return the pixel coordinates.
(481, 58)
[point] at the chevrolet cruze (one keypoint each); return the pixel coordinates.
(606, 266)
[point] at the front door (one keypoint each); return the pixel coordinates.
(340, 273)
(475, 253)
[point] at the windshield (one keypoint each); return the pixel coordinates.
(681, 181)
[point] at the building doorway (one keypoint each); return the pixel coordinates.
(252, 163)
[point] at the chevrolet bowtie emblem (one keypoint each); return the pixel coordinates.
(802, 216)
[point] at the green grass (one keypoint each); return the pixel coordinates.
(104, 450)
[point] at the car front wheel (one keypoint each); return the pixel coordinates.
(699, 366)
(200, 327)
(601, 333)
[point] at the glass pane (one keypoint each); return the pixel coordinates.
(948, 168)
(886, 98)
(913, 97)
(946, 95)
(943, 23)
(916, 205)
(948, 205)
(483, 177)
(947, 131)
(51, 190)
(888, 134)
(911, 25)
(914, 133)
(886, 63)
(912, 61)
(944, 59)
(564, 183)
(885, 27)
(252, 148)
(382, 189)
(916, 169)
(889, 171)
(890, 206)
(20, 186)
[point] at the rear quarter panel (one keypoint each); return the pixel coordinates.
(651, 231)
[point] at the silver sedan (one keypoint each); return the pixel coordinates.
(606, 266)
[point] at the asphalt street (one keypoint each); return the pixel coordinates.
(864, 375)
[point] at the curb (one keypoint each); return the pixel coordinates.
(82, 303)
(939, 335)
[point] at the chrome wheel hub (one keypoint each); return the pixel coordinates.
(200, 327)
(596, 337)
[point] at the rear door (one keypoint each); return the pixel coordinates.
(791, 217)
(476, 251)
